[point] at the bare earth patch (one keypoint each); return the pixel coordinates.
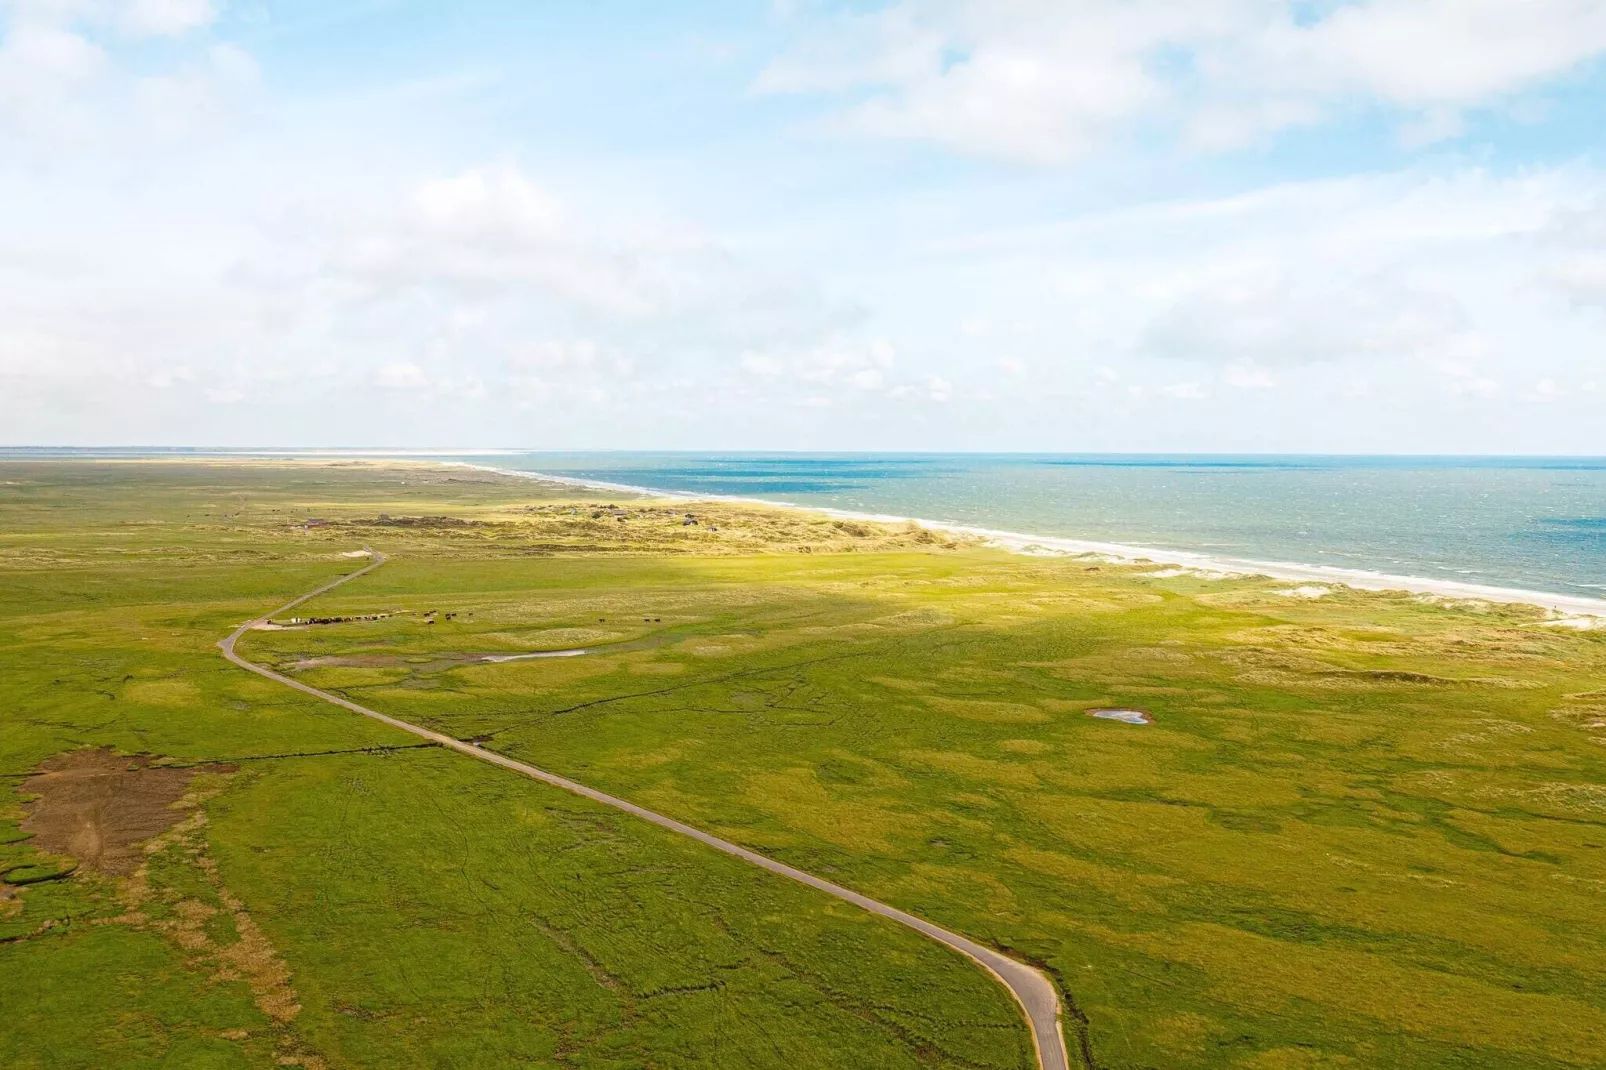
(117, 815)
(100, 808)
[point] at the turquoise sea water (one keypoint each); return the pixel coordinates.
(1534, 523)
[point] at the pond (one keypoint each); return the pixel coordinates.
(1125, 716)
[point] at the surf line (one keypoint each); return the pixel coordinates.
(1021, 542)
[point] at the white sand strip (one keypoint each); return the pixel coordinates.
(1359, 578)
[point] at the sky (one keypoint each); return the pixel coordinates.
(1363, 226)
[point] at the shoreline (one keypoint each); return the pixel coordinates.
(1571, 607)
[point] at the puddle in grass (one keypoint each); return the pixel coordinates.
(1123, 715)
(423, 663)
(539, 654)
(429, 663)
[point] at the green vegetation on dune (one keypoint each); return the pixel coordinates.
(1362, 827)
(343, 898)
(456, 916)
(1362, 830)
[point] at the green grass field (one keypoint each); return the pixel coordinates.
(1363, 830)
(408, 907)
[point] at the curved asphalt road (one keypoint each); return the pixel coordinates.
(1033, 991)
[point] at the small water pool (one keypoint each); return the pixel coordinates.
(1124, 715)
(538, 654)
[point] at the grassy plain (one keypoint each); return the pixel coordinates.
(1363, 830)
(343, 898)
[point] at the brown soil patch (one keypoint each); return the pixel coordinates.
(100, 808)
(117, 814)
(246, 956)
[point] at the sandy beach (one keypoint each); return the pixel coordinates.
(1573, 610)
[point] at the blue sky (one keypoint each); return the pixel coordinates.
(926, 224)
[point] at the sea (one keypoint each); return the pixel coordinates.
(1532, 523)
(1529, 523)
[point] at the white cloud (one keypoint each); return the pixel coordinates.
(1292, 313)
(766, 364)
(164, 18)
(1467, 380)
(838, 361)
(1247, 375)
(1582, 277)
(328, 265)
(71, 78)
(488, 202)
(139, 18)
(1437, 52)
(1576, 240)
(553, 354)
(519, 256)
(420, 290)
(1478, 387)
(482, 286)
(488, 232)
(1039, 81)
(1046, 80)
(201, 96)
(40, 66)
(1392, 269)
(402, 375)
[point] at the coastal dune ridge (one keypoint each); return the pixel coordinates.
(1586, 611)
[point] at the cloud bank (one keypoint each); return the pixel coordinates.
(193, 249)
(1048, 81)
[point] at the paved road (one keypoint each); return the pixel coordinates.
(1031, 989)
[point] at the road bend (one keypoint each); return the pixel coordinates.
(1032, 990)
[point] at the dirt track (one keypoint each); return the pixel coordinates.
(1032, 990)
